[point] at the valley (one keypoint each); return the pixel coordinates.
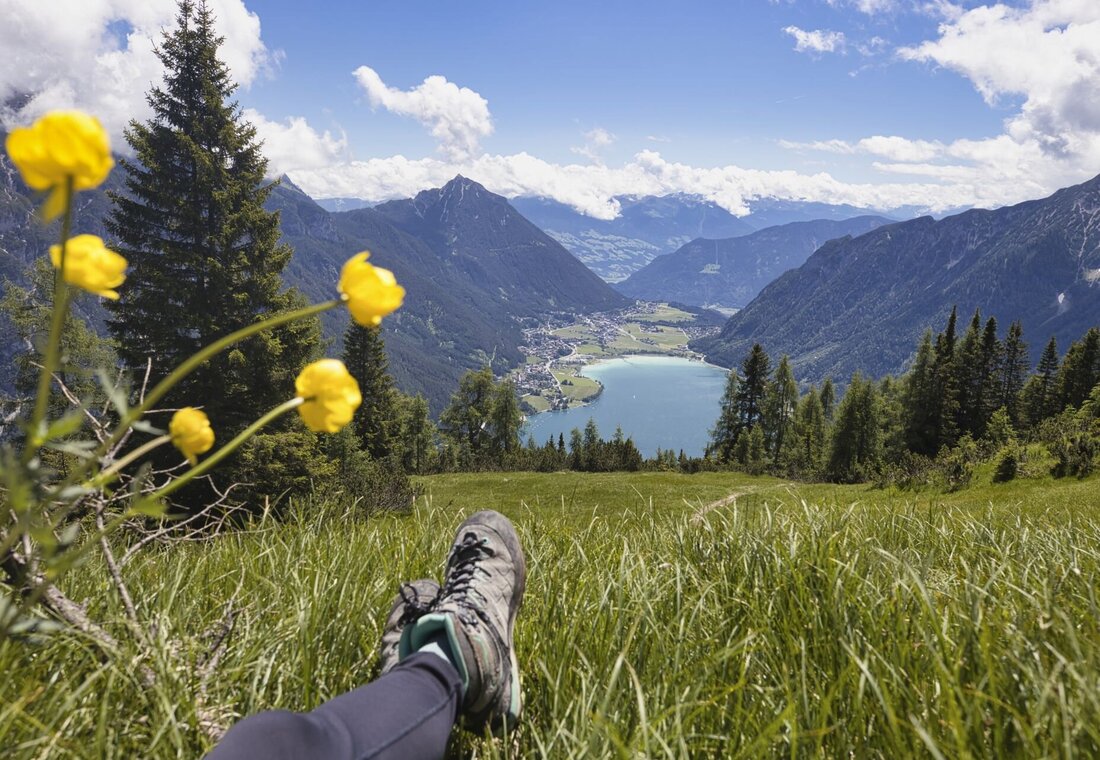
(557, 350)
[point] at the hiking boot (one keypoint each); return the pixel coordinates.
(476, 613)
(413, 601)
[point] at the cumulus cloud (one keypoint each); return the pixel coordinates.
(97, 55)
(1047, 53)
(595, 140)
(817, 40)
(457, 116)
(294, 144)
(593, 188)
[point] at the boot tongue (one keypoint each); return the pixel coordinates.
(437, 624)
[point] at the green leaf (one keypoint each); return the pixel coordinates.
(144, 427)
(148, 507)
(82, 449)
(114, 391)
(67, 425)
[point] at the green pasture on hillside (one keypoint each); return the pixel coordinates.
(667, 615)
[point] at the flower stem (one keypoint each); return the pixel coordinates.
(207, 464)
(57, 325)
(201, 356)
(105, 475)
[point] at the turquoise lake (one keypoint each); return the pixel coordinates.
(659, 401)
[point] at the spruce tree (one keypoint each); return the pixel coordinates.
(375, 419)
(779, 406)
(1014, 366)
(466, 419)
(204, 254)
(505, 420)
(828, 400)
(1040, 395)
(1080, 370)
(921, 407)
(810, 431)
(753, 387)
(723, 438)
(417, 434)
(856, 445)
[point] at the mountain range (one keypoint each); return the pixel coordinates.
(474, 269)
(727, 274)
(861, 303)
(648, 227)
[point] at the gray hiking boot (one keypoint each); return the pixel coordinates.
(476, 611)
(413, 601)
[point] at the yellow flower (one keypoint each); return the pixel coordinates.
(60, 145)
(89, 265)
(331, 395)
(191, 433)
(371, 292)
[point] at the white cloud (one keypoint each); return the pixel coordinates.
(592, 188)
(457, 116)
(1048, 54)
(293, 144)
(72, 54)
(595, 140)
(817, 40)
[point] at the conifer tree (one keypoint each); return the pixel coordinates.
(466, 419)
(966, 369)
(416, 434)
(1080, 370)
(1014, 367)
(723, 438)
(810, 433)
(753, 387)
(1040, 395)
(375, 419)
(856, 445)
(204, 254)
(505, 419)
(779, 406)
(921, 407)
(828, 400)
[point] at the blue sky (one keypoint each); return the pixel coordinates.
(720, 81)
(880, 103)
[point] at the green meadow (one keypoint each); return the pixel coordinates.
(667, 615)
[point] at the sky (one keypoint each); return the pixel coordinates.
(930, 104)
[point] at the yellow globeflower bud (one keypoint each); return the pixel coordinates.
(191, 433)
(60, 145)
(89, 265)
(371, 292)
(331, 395)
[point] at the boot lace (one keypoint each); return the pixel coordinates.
(414, 608)
(460, 586)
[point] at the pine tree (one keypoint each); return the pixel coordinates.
(505, 419)
(856, 445)
(828, 400)
(1040, 395)
(810, 433)
(753, 387)
(1080, 370)
(1014, 366)
(966, 369)
(204, 254)
(466, 419)
(780, 402)
(416, 434)
(921, 407)
(945, 389)
(724, 435)
(375, 419)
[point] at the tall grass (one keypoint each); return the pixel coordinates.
(812, 622)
